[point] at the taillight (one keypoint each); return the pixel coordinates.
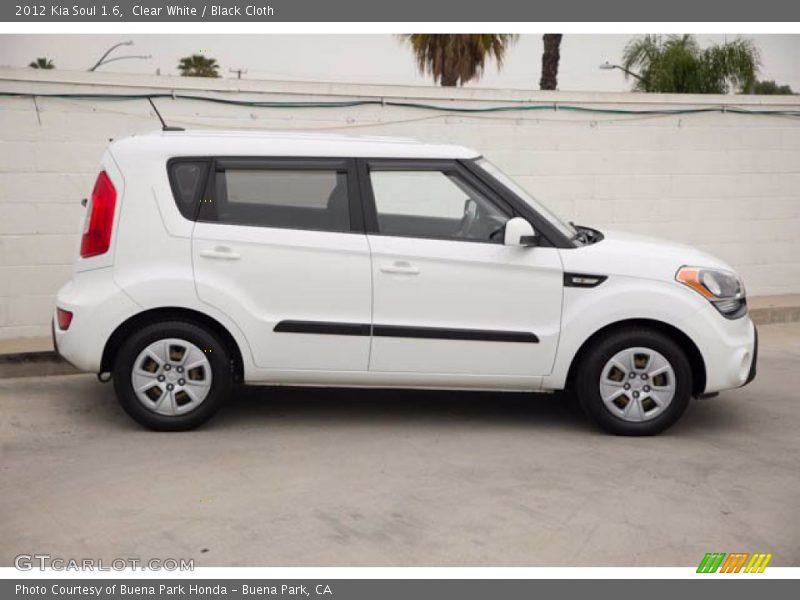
(64, 318)
(97, 234)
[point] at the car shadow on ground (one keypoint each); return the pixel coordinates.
(252, 404)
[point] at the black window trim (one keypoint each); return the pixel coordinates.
(262, 163)
(363, 213)
(443, 165)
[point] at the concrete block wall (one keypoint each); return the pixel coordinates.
(728, 183)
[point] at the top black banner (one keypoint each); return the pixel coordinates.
(440, 11)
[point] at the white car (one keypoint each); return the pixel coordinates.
(209, 259)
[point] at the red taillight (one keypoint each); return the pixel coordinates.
(64, 318)
(97, 235)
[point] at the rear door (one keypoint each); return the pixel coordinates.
(279, 247)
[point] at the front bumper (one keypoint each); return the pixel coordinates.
(728, 348)
(752, 374)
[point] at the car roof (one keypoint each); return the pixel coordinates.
(288, 144)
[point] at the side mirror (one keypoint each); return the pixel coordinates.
(519, 233)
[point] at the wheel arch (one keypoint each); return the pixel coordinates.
(693, 353)
(156, 315)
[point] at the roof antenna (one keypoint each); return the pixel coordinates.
(164, 126)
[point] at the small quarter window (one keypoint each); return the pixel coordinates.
(187, 179)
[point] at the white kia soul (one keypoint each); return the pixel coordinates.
(209, 259)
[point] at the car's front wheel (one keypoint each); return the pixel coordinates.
(634, 381)
(172, 376)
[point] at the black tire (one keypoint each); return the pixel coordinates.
(217, 356)
(590, 369)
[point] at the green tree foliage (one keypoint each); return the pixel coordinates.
(42, 63)
(455, 59)
(677, 64)
(198, 65)
(768, 88)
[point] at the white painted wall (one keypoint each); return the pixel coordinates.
(727, 183)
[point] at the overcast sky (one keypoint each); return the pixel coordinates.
(365, 58)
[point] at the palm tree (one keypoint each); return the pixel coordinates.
(42, 63)
(198, 65)
(455, 59)
(550, 58)
(679, 65)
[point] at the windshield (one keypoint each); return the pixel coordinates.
(566, 228)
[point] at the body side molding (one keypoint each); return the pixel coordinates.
(403, 331)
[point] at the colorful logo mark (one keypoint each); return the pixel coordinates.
(736, 562)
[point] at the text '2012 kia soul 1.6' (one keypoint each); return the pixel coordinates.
(209, 259)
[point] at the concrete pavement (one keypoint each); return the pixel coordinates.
(349, 478)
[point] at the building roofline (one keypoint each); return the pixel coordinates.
(160, 83)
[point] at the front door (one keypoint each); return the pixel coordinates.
(448, 296)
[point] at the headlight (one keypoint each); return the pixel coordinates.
(722, 288)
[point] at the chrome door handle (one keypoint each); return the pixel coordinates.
(221, 252)
(400, 267)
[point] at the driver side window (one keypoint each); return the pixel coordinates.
(434, 204)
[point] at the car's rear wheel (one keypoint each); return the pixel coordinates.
(634, 381)
(172, 376)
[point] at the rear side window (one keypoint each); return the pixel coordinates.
(315, 199)
(188, 180)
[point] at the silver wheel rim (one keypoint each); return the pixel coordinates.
(171, 377)
(637, 384)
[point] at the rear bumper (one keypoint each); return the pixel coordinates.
(55, 344)
(98, 306)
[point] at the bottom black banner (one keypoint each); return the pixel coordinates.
(399, 589)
